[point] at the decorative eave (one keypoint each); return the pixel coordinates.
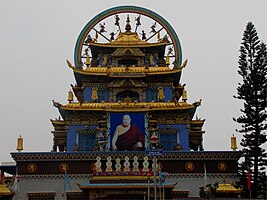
(62, 112)
(133, 45)
(77, 91)
(57, 122)
(196, 125)
(227, 188)
(126, 106)
(4, 191)
(127, 71)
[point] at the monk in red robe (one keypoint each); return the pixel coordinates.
(128, 137)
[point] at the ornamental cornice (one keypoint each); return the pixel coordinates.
(53, 176)
(201, 175)
(127, 106)
(169, 175)
(86, 156)
(126, 71)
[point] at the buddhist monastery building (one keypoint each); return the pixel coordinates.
(127, 129)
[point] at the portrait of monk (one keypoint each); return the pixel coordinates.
(128, 136)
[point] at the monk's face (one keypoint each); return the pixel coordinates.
(126, 120)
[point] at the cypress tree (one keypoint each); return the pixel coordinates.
(253, 120)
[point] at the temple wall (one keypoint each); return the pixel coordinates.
(48, 185)
(56, 185)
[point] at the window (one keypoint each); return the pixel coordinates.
(86, 142)
(168, 138)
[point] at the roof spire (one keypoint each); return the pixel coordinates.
(20, 144)
(233, 143)
(128, 25)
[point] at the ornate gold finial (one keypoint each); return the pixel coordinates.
(167, 60)
(128, 25)
(161, 95)
(151, 60)
(94, 94)
(233, 143)
(184, 96)
(127, 100)
(158, 36)
(87, 58)
(105, 60)
(70, 96)
(20, 144)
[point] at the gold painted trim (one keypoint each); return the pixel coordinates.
(131, 71)
(132, 106)
(136, 45)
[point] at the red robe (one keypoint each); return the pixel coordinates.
(128, 140)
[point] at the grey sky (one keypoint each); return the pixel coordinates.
(37, 37)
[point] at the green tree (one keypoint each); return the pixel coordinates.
(252, 91)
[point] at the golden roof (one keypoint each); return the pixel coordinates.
(4, 190)
(128, 39)
(126, 106)
(137, 71)
(227, 188)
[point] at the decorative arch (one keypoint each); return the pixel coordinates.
(127, 9)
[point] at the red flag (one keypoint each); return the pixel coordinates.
(249, 179)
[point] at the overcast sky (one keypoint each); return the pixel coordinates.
(36, 38)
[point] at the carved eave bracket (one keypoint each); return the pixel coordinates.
(78, 92)
(56, 104)
(61, 111)
(197, 103)
(193, 110)
(70, 65)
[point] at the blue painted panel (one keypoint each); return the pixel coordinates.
(184, 140)
(151, 95)
(168, 93)
(71, 136)
(148, 95)
(103, 95)
(87, 142)
(169, 141)
(87, 92)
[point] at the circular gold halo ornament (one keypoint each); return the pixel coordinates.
(189, 166)
(31, 167)
(63, 167)
(222, 166)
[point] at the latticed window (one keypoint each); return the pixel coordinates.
(87, 142)
(168, 138)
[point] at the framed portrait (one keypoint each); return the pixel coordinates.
(127, 131)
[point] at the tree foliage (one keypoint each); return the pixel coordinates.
(253, 120)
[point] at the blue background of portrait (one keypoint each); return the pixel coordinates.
(136, 118)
